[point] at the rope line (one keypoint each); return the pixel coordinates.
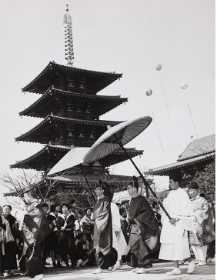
(158, 132)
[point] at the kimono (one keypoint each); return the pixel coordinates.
(203, 227)
(144, 230)
(109, 242)
(2, 244)
(124, 228)
(35, 227)
(51, 241)
(174, 239)
(87, 226)
(10, 247)
(203, 231)
(66, 243)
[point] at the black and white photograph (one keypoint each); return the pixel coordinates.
(107, 113)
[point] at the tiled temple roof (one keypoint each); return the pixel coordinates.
(187, 162)
(198, 151)
(199, 147)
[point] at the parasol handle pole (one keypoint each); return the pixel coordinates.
(144, 180)
(87, 182)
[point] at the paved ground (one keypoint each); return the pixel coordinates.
(157, 272)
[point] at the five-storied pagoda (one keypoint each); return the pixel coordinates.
(70, 107)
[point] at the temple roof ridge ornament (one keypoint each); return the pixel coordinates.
(69, 51)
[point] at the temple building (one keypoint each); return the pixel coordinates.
(70, 108)
(196, 163)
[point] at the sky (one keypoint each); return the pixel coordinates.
(126, 36)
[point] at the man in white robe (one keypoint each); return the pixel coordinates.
(174, 233)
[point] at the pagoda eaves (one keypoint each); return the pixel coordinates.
(53, 128)
(82, 80)
(76, 180)
(53, 99)
(51, 154)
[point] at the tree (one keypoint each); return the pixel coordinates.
(206, 180)
(16, 182)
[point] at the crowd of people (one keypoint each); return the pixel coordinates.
(133, 231)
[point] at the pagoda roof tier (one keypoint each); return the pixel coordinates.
(44, 159)
(48, 102)
(49, 129)
(47, 157)
(77, 180)
(94, 80)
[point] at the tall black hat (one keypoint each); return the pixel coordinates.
(135, 182)
(175, 176)
(193, 186)
(106, 187)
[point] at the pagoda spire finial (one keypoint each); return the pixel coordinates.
(69, 52)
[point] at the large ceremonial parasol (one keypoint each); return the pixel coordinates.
(118, 136)
(72, 159)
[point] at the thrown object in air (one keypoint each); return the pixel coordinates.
(149, 92)
(184, 85)
(158, 67)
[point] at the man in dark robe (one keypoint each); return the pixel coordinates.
(105, 254)
(144, 229)
(35, 227)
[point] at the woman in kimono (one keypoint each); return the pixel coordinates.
(53, 236)
(66, 243)
(2, 242)
(10, 247)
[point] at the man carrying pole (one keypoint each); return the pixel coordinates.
(174, 233)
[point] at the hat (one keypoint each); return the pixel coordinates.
(175, 176)
(124, 201)
(135, 182)
(193, 186)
